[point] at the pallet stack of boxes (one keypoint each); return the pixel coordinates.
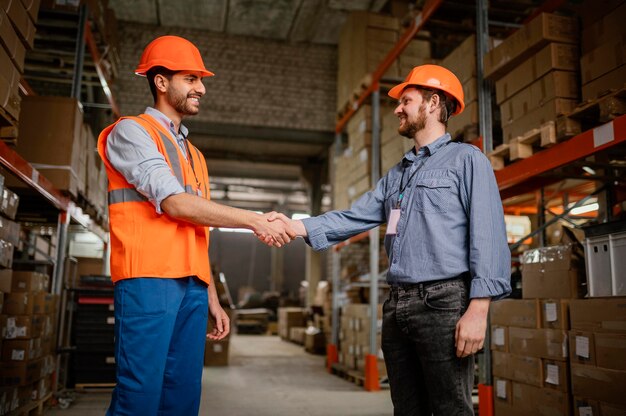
(529, 337)
(291, 323)
(597, 343)
(536, 78)
(462, 62)
(603, 54)
(28, 339)
(354, 338)
(17, 34)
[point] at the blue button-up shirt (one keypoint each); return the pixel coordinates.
(131, 151)
(451, 220)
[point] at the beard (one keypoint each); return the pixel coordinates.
(410, 127)
(181, 104)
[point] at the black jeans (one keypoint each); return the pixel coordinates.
(425, 375)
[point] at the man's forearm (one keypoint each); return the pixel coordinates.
(200, 211)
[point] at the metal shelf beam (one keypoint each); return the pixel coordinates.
(516, 176)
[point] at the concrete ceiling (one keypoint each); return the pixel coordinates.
(315, 21)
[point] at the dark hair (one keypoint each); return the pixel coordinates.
(152, 73)
(447, 105)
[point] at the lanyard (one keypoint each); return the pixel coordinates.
(403, 187)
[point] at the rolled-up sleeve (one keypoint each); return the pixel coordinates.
(334, 227)
(132, 152)
(489, 254)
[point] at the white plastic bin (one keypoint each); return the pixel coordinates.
(598, 259)
(617, 249)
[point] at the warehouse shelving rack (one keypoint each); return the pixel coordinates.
(47, 198)
(518, 178)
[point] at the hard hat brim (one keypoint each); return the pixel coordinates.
(396, 92)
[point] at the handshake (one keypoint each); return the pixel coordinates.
(276, 229)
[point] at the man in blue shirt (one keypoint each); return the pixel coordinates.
(447, 249)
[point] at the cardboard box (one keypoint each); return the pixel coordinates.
(610, 350)
(21, 349)
(548, 111)
(24, 27)
(287, 318)
(6, 280)
(18, 304)
(314, 341)
(6, 254)
(29, 282)
(9, 231)
(9, 203)
(554, 56)
(611, 81)
(555, 313)
(462, 60)
(527, 370)
(610, 409)
(523, 43)
(555, 84)
(10, 99)
(541, 343)
(540, 401)
(582, 347)
(24, 326)
(502, 391)
(599, 383)
(599, 314)
(20, 373)
(606, 29)
(32, 8)
(603, 59)
(53, 122)
(522, 313)
(296, 334)
(584, 406)
(216, 353)
(11, 42)
(556, 375)
(553, 284)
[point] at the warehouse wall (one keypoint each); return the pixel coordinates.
(257, 82)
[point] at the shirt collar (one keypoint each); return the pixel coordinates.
(428, 150)
(166, 122)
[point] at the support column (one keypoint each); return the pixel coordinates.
(484, 87)
(79, 54)
(314, 176)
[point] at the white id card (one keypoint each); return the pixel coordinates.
(392, 223)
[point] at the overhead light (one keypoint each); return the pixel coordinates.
(585, 208)
(589, 170)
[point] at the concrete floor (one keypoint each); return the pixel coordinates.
(266, 377)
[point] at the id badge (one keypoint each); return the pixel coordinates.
(392, 223)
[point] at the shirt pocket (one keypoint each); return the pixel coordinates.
(433, 194)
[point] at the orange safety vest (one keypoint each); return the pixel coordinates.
(143, 242)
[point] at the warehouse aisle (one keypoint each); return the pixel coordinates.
(267, 377)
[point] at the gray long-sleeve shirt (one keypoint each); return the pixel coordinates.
(133, 153)
(451, 220)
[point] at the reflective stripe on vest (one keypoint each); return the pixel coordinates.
(125, 195)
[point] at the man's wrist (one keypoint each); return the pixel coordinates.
(480, 304)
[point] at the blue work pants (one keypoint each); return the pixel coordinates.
(160, 333)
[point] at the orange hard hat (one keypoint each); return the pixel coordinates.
(174, 53)
(434, 77)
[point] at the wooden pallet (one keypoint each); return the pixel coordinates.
(354, 376)
(35, 408)
(499, 157)
(94, 387)
(351, 103)
(592, 113)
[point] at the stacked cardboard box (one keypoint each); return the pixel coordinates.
(28, 330)
(365, 39)
(529, 346)
(462, 62)
(603, 54)
(289, 318)
(598, 355)
(535, 74)
(94, 174)
(393, 145)
(52, 139)
(17, 33)
(529, 337)
(354, 337)
(9, 229)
